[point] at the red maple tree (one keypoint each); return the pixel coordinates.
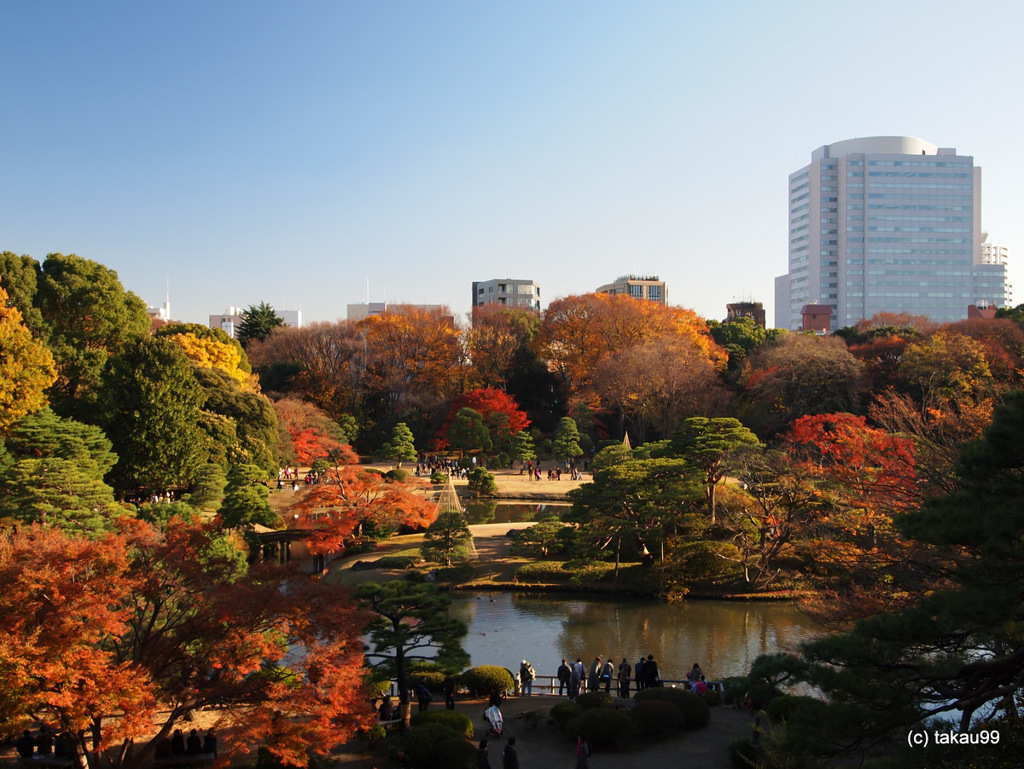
(487, 402)
(114, 641)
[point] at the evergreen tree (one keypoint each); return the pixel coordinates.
(257, 323)
(208, 489)
(54, 474)
(447, 538)
(401, 446)
(410, 622)
(245, 501)
(469, 432)
(150, 406)
(522, 447)
(566, 443)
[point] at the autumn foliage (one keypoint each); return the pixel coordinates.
(122, 636)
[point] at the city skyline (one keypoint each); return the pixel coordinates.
(288, 153)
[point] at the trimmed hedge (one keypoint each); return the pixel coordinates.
(590, 700)
(657, 718)
(452, 719)
(564, 713)
(435, 746)
(483, 679)
(603, 727)
(694, 709)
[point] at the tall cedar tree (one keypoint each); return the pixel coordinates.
(258, 321)
(105, 638)
(150, 409)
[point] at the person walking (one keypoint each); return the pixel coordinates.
(509, 756)
(482, 760)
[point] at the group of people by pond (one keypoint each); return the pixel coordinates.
(574, 678)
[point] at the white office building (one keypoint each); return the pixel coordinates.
(886, 224)
(508, 292)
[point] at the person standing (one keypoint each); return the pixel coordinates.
(651, 674)
(449, 693)
(638, 674)
(574, 682)
(607, 674)
(509, 756)
(594, 679)
(624, 672)
(526, 676)
(563, 675)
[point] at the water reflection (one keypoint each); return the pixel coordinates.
(723, 636)
(491, 511)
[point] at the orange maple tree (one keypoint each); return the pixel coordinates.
(349, 500)
(113, 641)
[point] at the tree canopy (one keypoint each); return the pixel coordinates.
(258, 321)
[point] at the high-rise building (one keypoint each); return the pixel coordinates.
(649, 287)
(521, 294)
(886, 224)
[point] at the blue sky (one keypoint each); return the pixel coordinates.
(287, 152)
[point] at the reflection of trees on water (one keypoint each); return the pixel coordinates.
(723, 637)
(494, 511)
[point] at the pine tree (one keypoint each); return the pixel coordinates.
(566, 443)
(402, 445)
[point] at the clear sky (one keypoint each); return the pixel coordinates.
(289, 151)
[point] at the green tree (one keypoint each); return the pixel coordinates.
(253, 422)
(90, 317)
(207, 491)
(447, 539)
(245, 500)
(481, 482)
(469, 432)
(54, 474)
(566, 442)
(522, 447)
(708, 443)
(258, 321)
(19, 276)
(150, 407)
(410, 622)
(402, 445)
(638, 498)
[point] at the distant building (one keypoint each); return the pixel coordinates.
(228, 321)
(816, 318)
(752, 310)
(508, 292)
(886, 224)
(358, 312)
(997, 254)
(649, 287)
(231, 318)
(986, 311)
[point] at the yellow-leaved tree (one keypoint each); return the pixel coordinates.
(26, 367)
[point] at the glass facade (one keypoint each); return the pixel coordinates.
(875, 229)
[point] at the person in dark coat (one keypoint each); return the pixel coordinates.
(482, 761)
(193, 745)
(509, 757)
(449, 693)
(651, 674)
(25, 745)
(563, 676)
(210, 743)
(178, 743)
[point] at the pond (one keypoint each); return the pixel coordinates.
(498, 511)
(723, 636)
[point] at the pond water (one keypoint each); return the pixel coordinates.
(723, 636)
(495, 511)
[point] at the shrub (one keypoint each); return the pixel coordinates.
(397, 561)
(375, 734)
(437, 477)
(590, 700)
(399, 475)
(712, 697)
(694, 709)
(452, 719)
(485, 678)
(433, 679)
(435, 746)
(733, 689)
(565, 713)
(657, 718)
(542, 572)
(481, 482)
(604, 727)
(745, 752)
(464, 572)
